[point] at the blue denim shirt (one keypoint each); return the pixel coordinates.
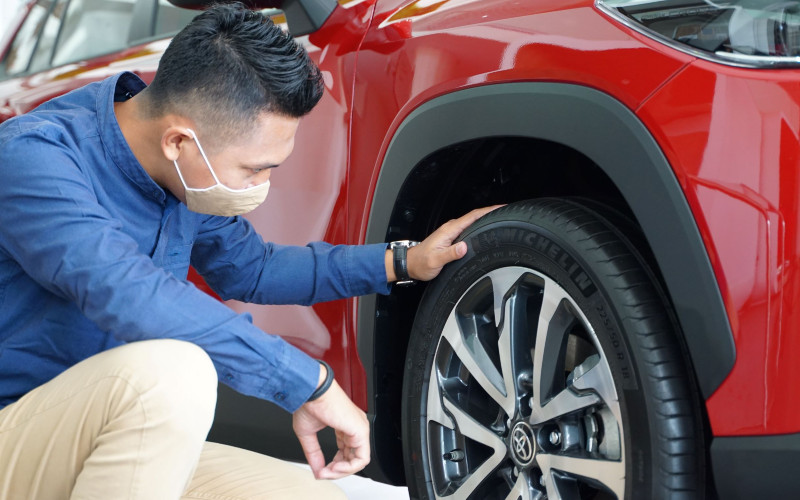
(94, 254)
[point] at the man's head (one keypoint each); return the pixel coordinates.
(227, 67)
(235, 82)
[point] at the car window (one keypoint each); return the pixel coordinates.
(171, 19)
(92, 28)
(19, 55)
(44, 49)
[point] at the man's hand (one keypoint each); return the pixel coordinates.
(333, 409)
(426, 260)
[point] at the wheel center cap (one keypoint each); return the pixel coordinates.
(522, 444)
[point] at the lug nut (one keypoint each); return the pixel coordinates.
(454, 455)
(555, 438)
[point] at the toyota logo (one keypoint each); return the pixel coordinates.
(523, 445)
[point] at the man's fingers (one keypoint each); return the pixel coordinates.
(313, 453)
(463, 222)
(340, 467)
(353, 455)
(459, 250)
(450, 230)
(451, 253)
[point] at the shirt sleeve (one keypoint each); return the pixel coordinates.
(52, 225)
(238, 264)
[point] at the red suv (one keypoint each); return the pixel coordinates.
(623, 328)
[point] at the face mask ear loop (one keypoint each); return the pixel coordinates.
(180, 175)
(205, 158)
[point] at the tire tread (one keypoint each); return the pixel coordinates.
(643, 310)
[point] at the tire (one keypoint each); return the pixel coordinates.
(551, 296)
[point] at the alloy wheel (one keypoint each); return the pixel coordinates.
(521, 401)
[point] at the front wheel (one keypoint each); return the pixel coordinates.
(545, 364)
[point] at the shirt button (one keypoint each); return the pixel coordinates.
(280, 396)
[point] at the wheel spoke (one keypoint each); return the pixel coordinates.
(474, 430)
(565, 402)
(598, 379)
(511, 341)
(550, 335)
(520, 491)
(503, 280)
(470, 428)
(477, 362)
(609, 473)
(435, 410)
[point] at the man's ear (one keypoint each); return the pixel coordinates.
(173, 140)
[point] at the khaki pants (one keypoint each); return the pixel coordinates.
(130, 423)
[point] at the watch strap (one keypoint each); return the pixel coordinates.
(400, 257)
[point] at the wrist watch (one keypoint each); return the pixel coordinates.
(400, 259)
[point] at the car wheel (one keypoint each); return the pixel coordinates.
(546, 364)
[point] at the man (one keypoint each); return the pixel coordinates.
(109, 359)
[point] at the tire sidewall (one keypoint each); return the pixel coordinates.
(549, 251)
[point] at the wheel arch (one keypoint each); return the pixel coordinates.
(600, 128)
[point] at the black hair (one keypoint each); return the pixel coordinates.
(230, 64)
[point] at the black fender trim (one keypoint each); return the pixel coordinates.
(608, 133)
(756, 466)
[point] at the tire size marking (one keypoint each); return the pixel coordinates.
(620, 350)
(494, 238)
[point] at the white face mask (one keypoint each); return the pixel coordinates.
(219, 199)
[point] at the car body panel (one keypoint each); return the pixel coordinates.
(414, 58)
(732, 137)
(310, 192)
(571, 113)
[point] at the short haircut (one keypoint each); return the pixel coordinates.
(229, 65)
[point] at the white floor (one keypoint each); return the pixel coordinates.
(361, 488)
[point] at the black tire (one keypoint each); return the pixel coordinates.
(616, 414)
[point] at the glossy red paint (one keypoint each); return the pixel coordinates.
(308, 200)
(415, 54)
(732, 138)
(20, 95)
(381, 59)
(417, 51)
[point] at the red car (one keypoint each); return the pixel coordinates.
(624, 328)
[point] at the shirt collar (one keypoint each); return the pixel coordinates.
(118, 88)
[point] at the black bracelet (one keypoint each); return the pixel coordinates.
(326, 384)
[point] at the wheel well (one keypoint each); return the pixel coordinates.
(447, 184)
(453, 180)
(510, 141)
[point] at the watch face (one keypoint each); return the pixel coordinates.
(404, 243)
